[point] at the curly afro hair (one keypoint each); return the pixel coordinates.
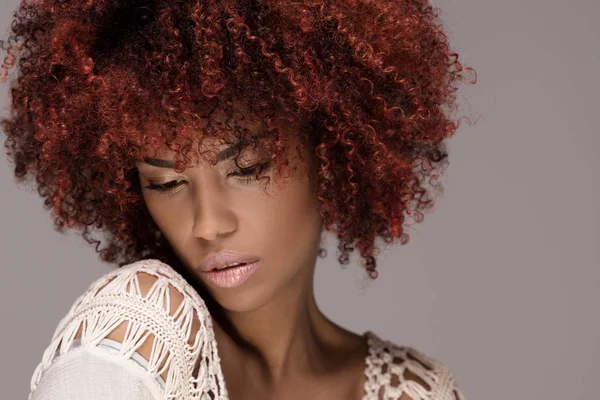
(371, 83)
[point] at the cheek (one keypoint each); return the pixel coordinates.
(287, 225)
(172, 218)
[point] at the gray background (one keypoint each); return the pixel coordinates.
(500, 282)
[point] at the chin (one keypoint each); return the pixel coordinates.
(241, 299)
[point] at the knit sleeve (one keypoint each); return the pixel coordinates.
(446, 387)
(95, 374)
(404, 373)
(140, 331)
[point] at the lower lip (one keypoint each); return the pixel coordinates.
(231, 277)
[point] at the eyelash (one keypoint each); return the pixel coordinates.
(246, 177)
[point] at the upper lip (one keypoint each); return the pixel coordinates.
(223, 258)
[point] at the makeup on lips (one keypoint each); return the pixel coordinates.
(228, 268)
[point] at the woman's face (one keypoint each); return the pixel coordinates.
(208, 209)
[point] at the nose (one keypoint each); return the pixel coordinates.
(212, 214)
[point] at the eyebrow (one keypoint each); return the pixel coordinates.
(226, 154)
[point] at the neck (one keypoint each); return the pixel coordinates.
(288, 336)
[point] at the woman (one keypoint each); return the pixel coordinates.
(213, 143)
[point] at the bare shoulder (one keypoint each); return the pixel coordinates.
(406, 373)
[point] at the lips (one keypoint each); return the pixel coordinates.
(230, 266)
(225, 258)
(231, 277)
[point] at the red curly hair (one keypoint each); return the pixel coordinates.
(100, 82)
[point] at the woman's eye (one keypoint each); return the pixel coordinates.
(245, 175)
(249, 173)
(166, 187)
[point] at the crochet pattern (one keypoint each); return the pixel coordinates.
(116, 297)
(392, 371)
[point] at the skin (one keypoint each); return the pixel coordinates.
(277, 342)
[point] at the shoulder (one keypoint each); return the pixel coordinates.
(144, 309)
(405, 373)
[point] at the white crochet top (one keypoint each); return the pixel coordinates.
(94, 367)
